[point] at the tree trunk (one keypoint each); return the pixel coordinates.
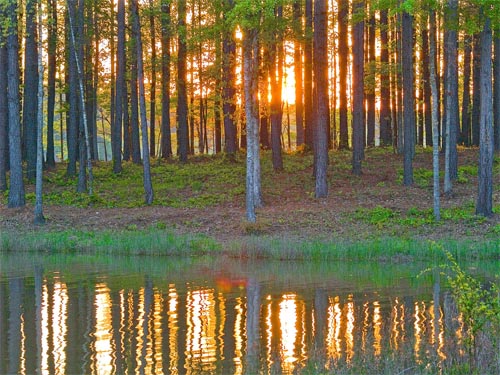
(30, 82)
(72, 123)
(276, 73)
(408, 99)
(427, 83)
(51, 81)
(136, 30)
(39, 219)
(182, 106)
(451, 162)
(250, 71)
(358, 129)
(435, 121)
(385, 92)
(476, 90)
(343, 54)
(228, 85)
(152, 98)
(120, 92)
(465, 134)
(308, 78)
(496, 92)
(370, 93)
(322, 104)
(484, 205)
(298, 72)
(16, 188)
(166, 138)
(4, 119)
(84, 146)
(134, 100)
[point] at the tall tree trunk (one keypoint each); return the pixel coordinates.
(134, 101)
(136, 30)
(72, 122)
(4, 118)
(484, 205)
(298, 72)
(39, 219)
(358, 129)
(408, 98)
(152, 98)
(343, 54)
(51, 80)
(112, 57)
(228, 85)
(308, 78)
(451, 162)
(476, 90)
(465, 134)
(84, 129)
(385, 91)
(182, 105)
(370, 92)
(496, 92)
(16, 188)
(30, 82)
(276, 87)
(250, 71)
(427, 83)
(166, 138)
(435, 120)
(322, 104)
(116, 134)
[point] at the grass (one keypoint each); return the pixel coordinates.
(152, 242)
(157, 241)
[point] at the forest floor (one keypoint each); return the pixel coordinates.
(373, 205)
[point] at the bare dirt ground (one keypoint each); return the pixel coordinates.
(296, 214)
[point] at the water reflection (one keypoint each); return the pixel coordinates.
(60, 325)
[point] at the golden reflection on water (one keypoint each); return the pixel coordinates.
(59, 325)
(288, 325)
(45, 331)
(158, 332)
(194, 331)
(377, 328)
(349, 332)
(333, 339)
(102, 358)
(173, 330)
(201, 328)
(239, 332)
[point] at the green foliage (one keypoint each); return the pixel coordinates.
(378, 216)
(479, 305)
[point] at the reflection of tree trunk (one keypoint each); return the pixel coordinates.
(16, 287)
(148, 302)
(117, 332)
(3, 337)
(320, 322)
(252, 327)
(228, 342)
(436, 291)
(38, 313)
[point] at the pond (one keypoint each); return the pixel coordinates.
(103, 315)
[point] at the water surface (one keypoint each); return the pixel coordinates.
(99, 315)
